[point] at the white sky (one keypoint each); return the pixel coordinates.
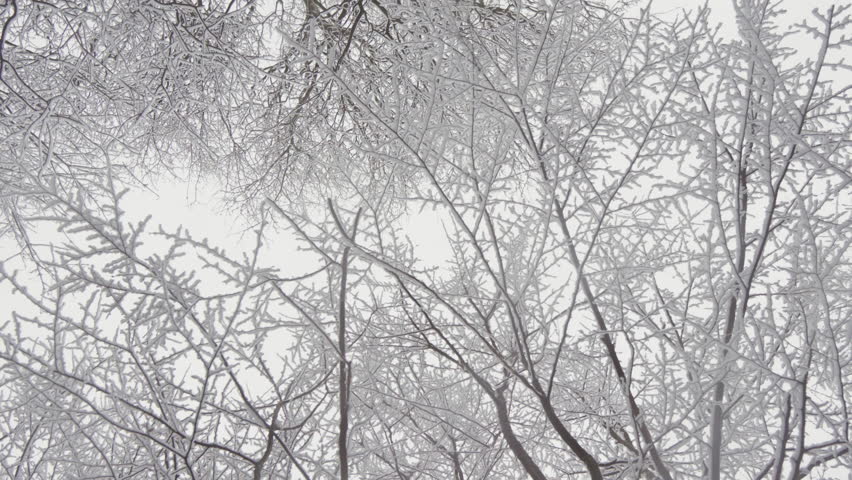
(197, 205)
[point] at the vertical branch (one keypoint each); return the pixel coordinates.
(739, 301)
(741, 207)
(5, 29)
(344, 365)
(784, 434)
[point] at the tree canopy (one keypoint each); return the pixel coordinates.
(644, 226)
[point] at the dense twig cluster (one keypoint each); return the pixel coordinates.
(637, 264)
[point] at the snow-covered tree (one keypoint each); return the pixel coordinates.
(556, 239)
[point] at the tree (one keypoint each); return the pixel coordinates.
(643, 224)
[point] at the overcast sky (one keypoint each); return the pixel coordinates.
(198, 205)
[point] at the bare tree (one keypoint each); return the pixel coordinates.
(635, 262)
